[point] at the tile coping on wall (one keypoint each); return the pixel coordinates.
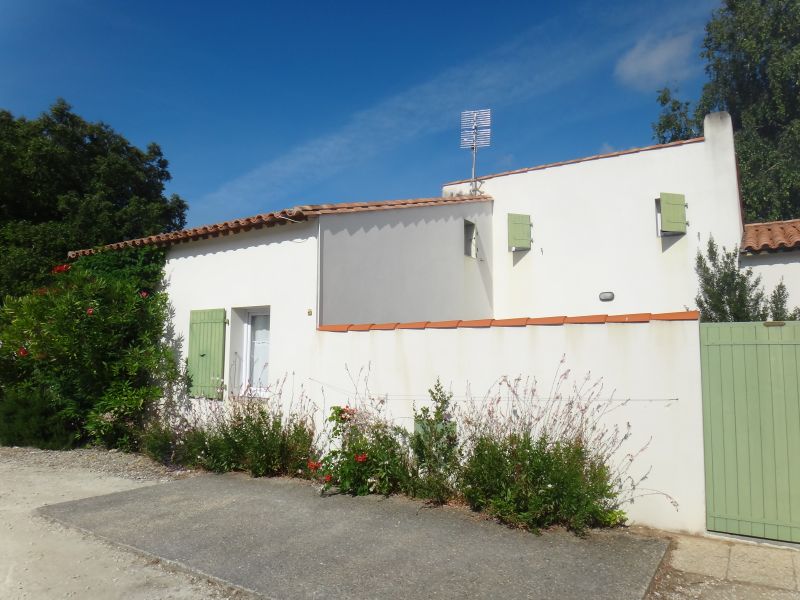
(688, 315)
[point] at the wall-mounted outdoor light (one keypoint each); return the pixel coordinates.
(606, 296)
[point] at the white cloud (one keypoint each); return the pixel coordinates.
(658, 61)
(519, 71)
(606, 148)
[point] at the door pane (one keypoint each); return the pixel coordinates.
(259, 350)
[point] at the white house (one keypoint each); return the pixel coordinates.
(590, 258)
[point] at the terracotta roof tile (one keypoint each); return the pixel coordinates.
(521, 322)
(336, 328)
(414, 325)
(547, 321)
(632, 318)
(477, 323)
(587, 319)
(384, 326)
(584, 159)
(281, 217)
(442, 324)
(687, 315)
(772, 236)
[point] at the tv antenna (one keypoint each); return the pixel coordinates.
(476, 132)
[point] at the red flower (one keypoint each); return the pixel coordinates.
(22, 351)
(361, 458)
(61, 268)
(348, 413)
(41, 291)
(144, 294)
(313, 466)
(90, 311)
(328, 478)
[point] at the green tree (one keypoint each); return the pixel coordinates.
(728, 293)
(87, 357)
(752, 54)
(66, 183)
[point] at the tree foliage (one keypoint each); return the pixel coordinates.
(84, 358)
(65, 184)
(752, 54)
(729, 294)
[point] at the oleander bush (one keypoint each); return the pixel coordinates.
(84, 359)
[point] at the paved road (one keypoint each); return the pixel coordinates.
(40, 560)
(279, 538)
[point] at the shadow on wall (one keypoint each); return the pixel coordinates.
(291, 232)
(406, 264)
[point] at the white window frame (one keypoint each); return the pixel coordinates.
(247, 341)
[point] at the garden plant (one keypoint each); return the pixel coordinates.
(85, 358)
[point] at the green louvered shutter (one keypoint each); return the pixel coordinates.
(206, 352)
(519, 232)
(673, 214)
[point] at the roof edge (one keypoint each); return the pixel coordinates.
(583, 159)
(297, 214)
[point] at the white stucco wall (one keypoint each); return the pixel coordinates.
(774, 267)
(405, 264)
(594, 229)
(654, 366)
(273, 267)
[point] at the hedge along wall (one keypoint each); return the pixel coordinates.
(650, 370)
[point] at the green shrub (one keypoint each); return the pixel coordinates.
(298, 448)
(159, 442)
(535, 482)
(249, 436)
(117, 420)
(370, 457)
(30, 416)
(89, 350)
(486, 473)
(436, 449)
(190, 448)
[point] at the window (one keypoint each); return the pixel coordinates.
(470, 239)
(256, 351)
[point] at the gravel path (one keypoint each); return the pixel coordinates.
(107, 462)
(42, 560)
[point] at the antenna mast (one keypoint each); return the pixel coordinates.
(476, 133)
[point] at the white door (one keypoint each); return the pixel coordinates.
(258, 352)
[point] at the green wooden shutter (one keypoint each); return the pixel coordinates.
(519, 232)
(673, 214)
(206, 352)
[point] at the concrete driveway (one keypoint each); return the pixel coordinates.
(280, 539)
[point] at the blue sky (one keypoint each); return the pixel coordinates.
(264, 105)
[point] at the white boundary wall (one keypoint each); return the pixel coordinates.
(655, 365)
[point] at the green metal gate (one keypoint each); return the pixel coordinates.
(751, 427)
